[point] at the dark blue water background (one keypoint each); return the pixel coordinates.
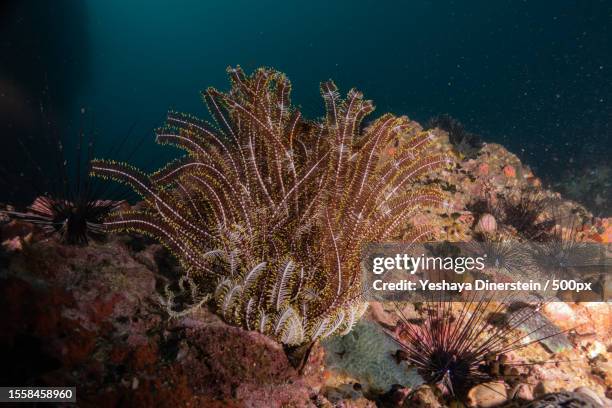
(535, 76)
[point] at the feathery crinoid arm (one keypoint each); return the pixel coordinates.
(167, 218)
(146, 223)
(123, 173)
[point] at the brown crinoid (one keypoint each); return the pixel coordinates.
(268, 211)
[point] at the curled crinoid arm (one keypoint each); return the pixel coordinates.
(287, 202)
(195, 301)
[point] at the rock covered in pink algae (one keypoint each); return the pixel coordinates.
(95, 313)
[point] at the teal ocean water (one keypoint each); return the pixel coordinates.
(533, 76)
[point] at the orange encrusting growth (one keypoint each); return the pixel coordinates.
(270, 210)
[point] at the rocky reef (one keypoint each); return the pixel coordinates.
(94, 317)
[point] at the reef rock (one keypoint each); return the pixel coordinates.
(566, 400)
(91, 316)
(487, 395)
(423, 397)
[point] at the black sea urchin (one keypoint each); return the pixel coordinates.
(466, 143)
(75, 221)
(502, 256)
(64, 199)
(528, 212)
(457, 346)
(565, 255)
